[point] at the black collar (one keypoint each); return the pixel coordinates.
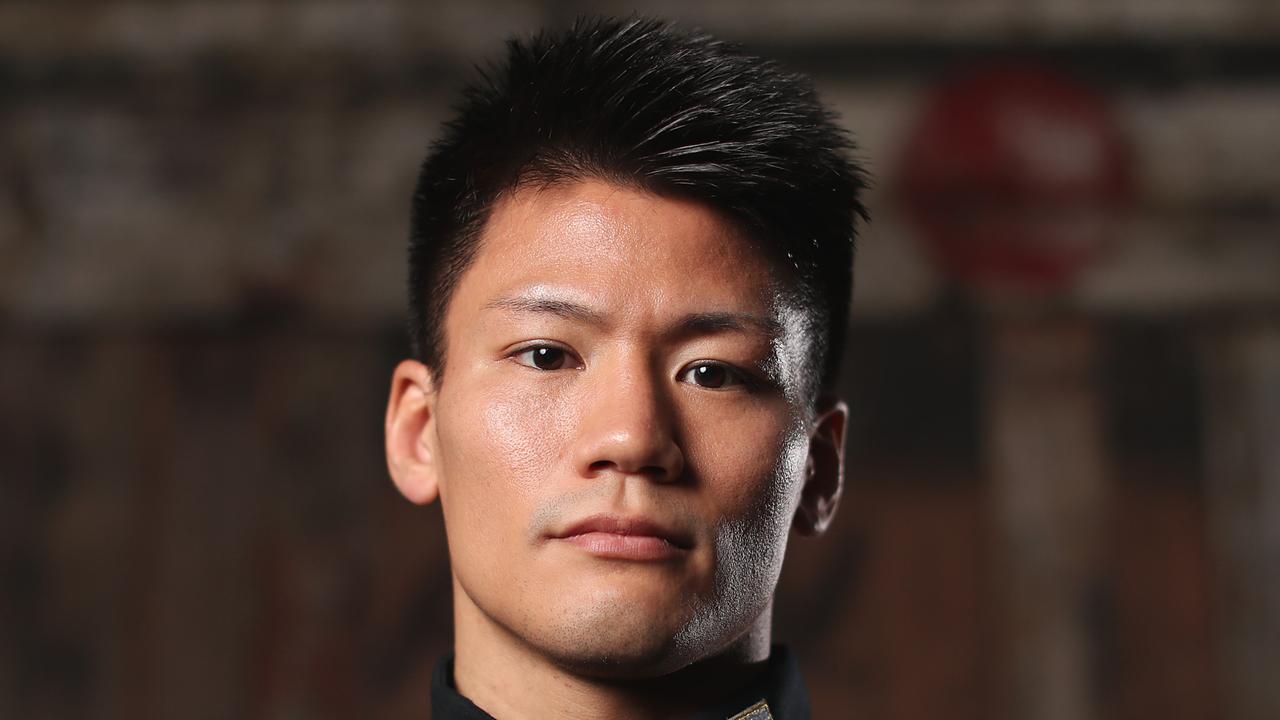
(779, 687)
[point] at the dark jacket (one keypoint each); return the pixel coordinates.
(778, 694)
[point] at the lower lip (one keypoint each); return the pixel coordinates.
(625, 547)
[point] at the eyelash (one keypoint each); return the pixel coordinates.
(543, 346)
(738, 377)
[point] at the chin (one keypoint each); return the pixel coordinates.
(610, 638)
(623, 642)
(616, 660)
(618, 641)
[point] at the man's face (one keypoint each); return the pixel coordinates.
(619, 441)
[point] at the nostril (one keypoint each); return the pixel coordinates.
(653, 471)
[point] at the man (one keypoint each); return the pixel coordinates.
(629, 277)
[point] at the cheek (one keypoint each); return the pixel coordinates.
(753, 474)
(752, 463)
(500, 446)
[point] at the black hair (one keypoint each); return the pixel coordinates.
(641, 103)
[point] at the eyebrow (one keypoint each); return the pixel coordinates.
(565, 309)
(693, 324)
(711, 323)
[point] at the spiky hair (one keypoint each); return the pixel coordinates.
(640, 103)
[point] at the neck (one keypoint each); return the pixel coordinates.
(511, 680)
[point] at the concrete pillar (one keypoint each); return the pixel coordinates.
(1242, 465)
(1045, 465)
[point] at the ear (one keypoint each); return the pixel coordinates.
(824, 469)
(410, 428)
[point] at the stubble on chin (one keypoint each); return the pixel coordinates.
(609, 634)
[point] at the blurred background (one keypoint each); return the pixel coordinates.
(1063, 496)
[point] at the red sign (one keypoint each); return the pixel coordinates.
(1014, 176)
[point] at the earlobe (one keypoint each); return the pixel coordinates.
(410, 433)
(824, 469)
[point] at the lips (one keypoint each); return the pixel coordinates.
(626, 538)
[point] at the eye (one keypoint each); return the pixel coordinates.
(544, 357)
(713, 375)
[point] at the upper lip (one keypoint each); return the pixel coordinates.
(627, 525)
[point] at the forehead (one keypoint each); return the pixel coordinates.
(631, 250)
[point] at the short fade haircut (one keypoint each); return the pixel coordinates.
(643, 104)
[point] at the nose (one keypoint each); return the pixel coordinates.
(629, 428)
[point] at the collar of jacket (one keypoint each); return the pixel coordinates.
(778, 694)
